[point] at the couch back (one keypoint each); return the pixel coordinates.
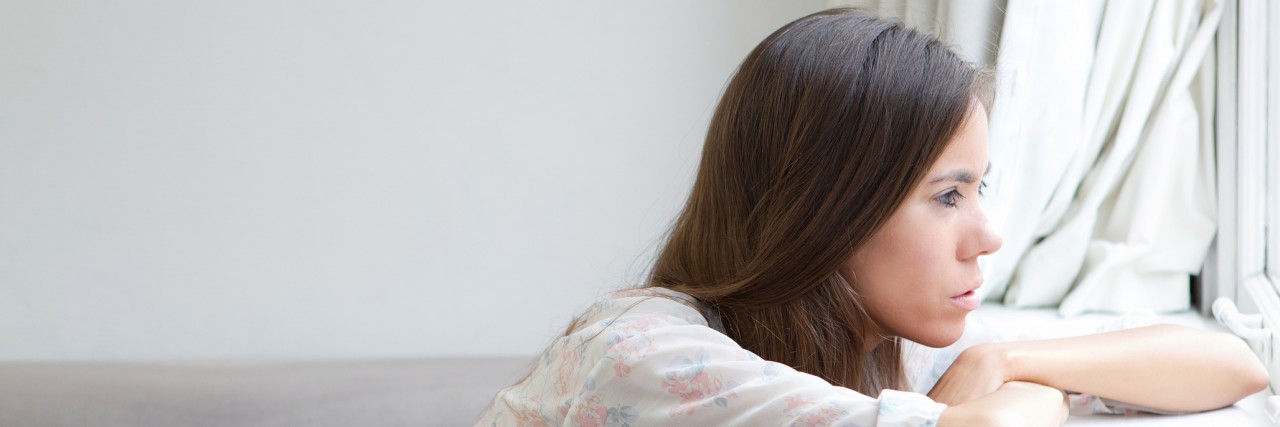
(395, 392)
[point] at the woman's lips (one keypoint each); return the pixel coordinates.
(968, 300)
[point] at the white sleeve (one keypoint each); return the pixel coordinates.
(681, 374)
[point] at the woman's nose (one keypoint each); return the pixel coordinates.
(982, 239)
(991, 240)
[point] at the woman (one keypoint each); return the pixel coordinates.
(835, 214)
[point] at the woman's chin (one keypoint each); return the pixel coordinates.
(939, 339)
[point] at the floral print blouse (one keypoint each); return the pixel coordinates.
(653, 356)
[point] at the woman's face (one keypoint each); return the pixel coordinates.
(918, 274)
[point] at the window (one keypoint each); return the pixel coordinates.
(1245, 266)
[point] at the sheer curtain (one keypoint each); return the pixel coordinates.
(972, 26)
(1122, 140)
(1101, 142)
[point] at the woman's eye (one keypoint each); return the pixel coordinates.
(982, 186)
(950, 198)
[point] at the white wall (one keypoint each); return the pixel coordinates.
(293, 178)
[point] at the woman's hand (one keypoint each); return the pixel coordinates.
(1014, 403)
(979, 371)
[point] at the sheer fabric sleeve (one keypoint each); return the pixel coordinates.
(669, 372)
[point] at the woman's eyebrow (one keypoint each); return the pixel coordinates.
(961, 175)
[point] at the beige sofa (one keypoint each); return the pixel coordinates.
(399, 392)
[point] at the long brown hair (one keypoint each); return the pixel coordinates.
(820, 135)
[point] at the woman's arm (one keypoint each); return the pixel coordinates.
(1012, 404)
(1162, 367)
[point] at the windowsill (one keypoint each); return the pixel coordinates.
(1245, 413)
(1046, 323)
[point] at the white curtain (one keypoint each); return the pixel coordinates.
(971, 26)
(1101, 142)
(1103, 118)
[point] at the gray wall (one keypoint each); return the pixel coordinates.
(292, 178)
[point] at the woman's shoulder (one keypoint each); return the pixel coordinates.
(620, 330)
(650, 292)
(637, 304)
(631, 324)
(621, 314)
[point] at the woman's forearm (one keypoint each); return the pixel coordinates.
(1163, 367)
(1012, 404)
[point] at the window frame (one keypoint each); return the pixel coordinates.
(1240, 269)
(1273, 147)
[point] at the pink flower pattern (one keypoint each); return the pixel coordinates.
(804, 412)
(695, 386)
(631, 344)
(531, 420)
(591, 413)
(565, 372)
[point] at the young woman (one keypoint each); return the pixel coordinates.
(835, 214)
